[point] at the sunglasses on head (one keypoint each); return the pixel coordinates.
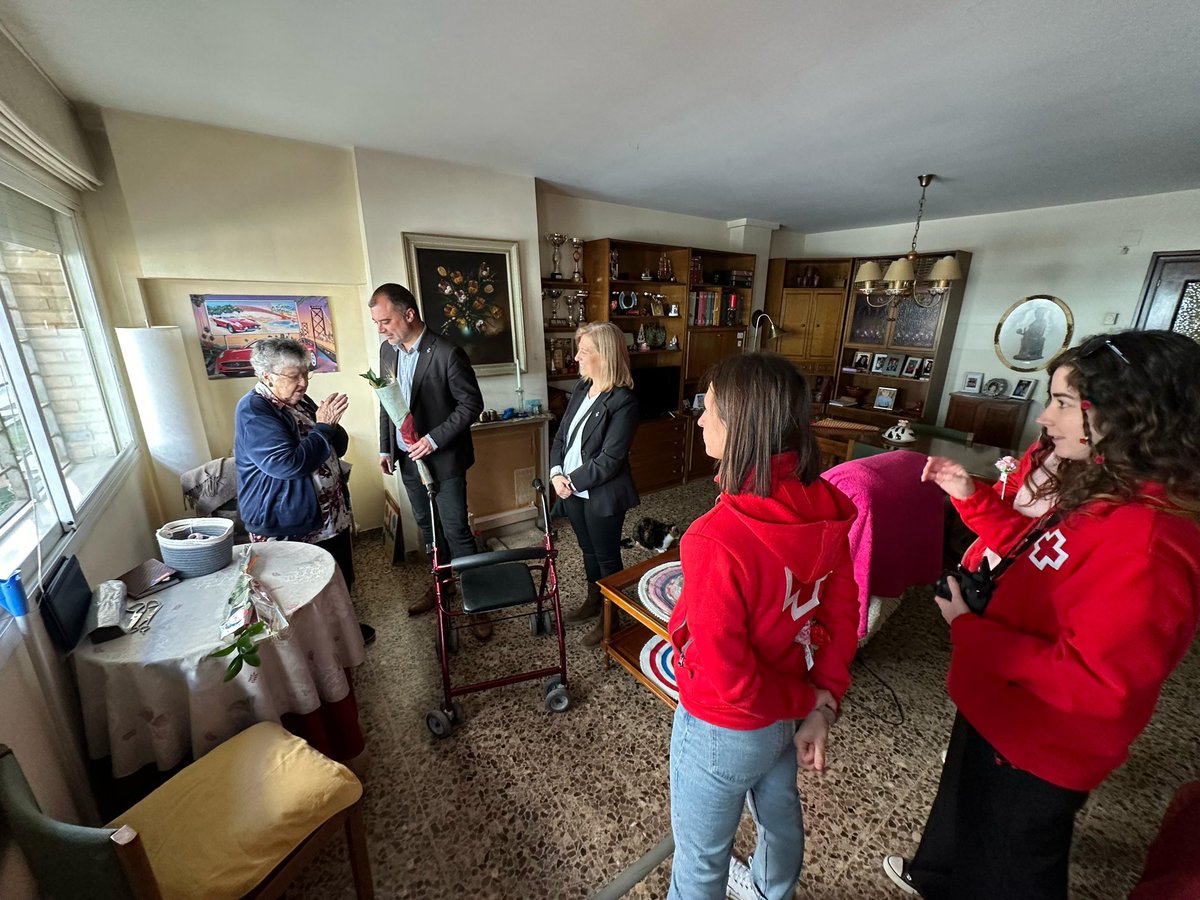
(1106, 345)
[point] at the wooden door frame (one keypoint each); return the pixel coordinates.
(1157, 261)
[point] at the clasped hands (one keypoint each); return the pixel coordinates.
(332, 408)
(562, 486)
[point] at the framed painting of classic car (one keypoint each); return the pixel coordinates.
(469, 290)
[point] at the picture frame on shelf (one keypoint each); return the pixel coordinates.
(698, 402)
(469, 290)
(885, 398)
(878, 361)
(893, 365)
(927, 367)
(912, 367)
(862, 360)
(972, 382)
(1023, 389)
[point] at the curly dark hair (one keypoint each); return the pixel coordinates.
(1143, 388)
(763, 402)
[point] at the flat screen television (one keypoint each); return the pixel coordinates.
(657, 390)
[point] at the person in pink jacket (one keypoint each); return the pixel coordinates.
(1095, 602)
(763, 633)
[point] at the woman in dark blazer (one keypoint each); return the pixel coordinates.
(589, 459)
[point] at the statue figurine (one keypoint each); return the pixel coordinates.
(642, 344)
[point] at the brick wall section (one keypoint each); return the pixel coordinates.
(56, 354)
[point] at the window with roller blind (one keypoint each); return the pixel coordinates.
(63, 424)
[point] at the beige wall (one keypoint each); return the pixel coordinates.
(593, 219)
(190, 208)
(1077, 253)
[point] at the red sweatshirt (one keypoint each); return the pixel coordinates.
(1064, 669)
(756, 572)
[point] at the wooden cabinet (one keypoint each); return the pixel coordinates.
(657, 455)
(811, 321)
(508, 456)
(898, 352)
(998, 422)
(708, 346)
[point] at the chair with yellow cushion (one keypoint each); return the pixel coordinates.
(241, 821)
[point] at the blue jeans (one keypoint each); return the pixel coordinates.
(713, 771)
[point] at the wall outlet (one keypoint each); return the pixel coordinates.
(1111, 318)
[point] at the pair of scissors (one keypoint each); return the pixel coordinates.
(142, 614)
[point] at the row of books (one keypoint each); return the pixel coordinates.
(705, 308)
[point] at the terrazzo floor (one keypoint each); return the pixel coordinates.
(520, 803)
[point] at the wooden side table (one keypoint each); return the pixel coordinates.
(625, 646)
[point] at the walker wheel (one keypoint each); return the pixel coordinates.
(457, 716)
(542, 624)
(438, 724)
(558, 700)
(554, 681)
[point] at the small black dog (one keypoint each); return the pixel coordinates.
(651, 535)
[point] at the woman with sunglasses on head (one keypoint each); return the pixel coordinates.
(1096, 602)
(763, 635)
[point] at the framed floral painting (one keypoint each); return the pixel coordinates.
(469, 291)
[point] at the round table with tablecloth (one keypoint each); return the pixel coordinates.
(158, 698)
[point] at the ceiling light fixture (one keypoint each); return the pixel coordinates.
(900, 280)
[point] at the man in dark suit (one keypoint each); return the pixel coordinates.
(443, 395)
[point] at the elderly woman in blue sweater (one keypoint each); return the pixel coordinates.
(291, 486)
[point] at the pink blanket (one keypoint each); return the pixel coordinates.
(896, 541)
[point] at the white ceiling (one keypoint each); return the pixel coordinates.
(818, 114)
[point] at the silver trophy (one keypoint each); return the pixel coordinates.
(556, 258)
(577, 256)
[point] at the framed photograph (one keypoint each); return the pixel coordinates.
(230, 324)
(698, 402)
(893, 365)
(885, 398)
(972, 382)
(862, 360)
(469, 290)
(1023, 389)
(393, 535)
(1032, 331)
(878, 361)
(927, 367)
(912, 367)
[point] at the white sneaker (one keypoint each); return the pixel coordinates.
(894, 867)
(741, 883)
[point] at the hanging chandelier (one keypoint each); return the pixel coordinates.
(900, 281)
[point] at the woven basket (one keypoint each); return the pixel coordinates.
(196, 547)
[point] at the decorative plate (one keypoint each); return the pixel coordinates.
(659, 589)
(658, 664)
(996, 387)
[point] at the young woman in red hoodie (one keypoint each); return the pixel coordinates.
(763, 633)
(1061, 671)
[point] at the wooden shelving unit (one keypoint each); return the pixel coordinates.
(905, 330)
(624, 647)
